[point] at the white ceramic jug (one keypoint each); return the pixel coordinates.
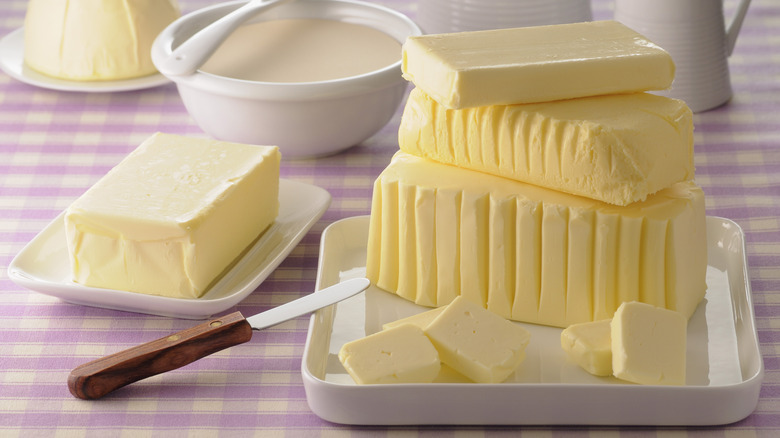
(694, 32)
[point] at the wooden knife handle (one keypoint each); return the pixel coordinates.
(99, 377)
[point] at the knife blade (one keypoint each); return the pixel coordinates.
(99, 377)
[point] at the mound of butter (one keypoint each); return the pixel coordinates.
(173, 215)
(535, 64)
(91, 40)
(529, 253)
(617, 148)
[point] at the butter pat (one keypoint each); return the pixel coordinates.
(648, 345)
(617, 149)
(589, 345)
(399, 355)
(173, 215)
(535, 64)
(476, 342)
(529, 253)
(94, 40)
(421, 319)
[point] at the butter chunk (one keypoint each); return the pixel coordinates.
(618, 149)
(476, 342)
(529, 253)
(94, 39)
(173, 215)
(648, 344)
(421, 319)
(589, 345)
(402, 354)
(535, 64)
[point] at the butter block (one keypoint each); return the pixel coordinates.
(421, 319)
(173, 215)
(92, 40)
(529, 253)
(648, 344)
(476, 342)
(617, 149)
(589, 345)
(402, 354)
(535, 64)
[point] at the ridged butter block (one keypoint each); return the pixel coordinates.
(617, 149)
(529, 253)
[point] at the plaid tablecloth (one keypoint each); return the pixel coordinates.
(54, 145)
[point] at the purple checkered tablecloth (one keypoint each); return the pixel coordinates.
(54, 145)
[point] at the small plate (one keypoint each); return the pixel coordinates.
(43, 265)
(724, 366)
(12, 63)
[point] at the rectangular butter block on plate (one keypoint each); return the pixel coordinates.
(43, 264)
(617, 149)
(724, 365)
(529, 253)
(173, 215)
(535, 64)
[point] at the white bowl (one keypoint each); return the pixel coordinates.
(305, 119)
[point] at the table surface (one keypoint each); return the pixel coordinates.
(54, 145)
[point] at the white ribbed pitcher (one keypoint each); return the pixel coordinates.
(442, 16)
(695, 33)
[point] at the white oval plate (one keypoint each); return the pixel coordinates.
(43, 264)
(12, 63)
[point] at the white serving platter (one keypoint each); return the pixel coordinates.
(724, 365)
(43, 264)
(12, 63)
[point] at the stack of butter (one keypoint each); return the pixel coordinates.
(537, 177)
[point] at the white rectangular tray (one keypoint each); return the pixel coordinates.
(724, 369)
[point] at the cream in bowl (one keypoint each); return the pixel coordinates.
(313, 77)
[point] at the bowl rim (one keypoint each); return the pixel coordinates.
(386, 76)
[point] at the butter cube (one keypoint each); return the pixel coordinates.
(421, 319)
(476, 342)
(402, 354)
(618, 149)
(535, 64)
(648, 344)
(173, 215)
(589, 345)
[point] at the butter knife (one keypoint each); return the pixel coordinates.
(95, 379)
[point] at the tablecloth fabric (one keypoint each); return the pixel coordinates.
(54, 145)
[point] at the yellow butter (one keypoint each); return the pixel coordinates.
(529, 253)
(421, 319)
(94, 39)
(589, 345)
(476, 342)
(535, 64)
(402, 354)
(648, 344)
(173, 215)
(617, 149)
